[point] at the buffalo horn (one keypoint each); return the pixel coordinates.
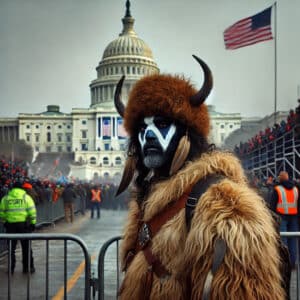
(200, 96)
(118, 101)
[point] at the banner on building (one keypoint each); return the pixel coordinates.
(106, 126)
(120, 129)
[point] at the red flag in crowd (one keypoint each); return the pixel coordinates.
(56, 162)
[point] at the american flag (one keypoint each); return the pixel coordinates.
(249, 31)
(106, 127)
(120, 129)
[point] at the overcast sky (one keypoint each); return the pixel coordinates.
(49, 50)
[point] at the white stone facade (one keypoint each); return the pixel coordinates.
(50, 131)
(222, 125)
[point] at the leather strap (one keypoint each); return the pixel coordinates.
(197, 191)
(218, 256)
(189, 201)
(155, 224)
(154, 262)
(220, 246)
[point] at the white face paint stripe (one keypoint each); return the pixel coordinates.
(151, 126)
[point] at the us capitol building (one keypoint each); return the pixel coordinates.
(95, 135)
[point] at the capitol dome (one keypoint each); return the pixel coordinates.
(127, 44)
(127, 55)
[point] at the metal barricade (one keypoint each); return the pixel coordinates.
(295, 284)
(93, 285)
(101, 267)
(296, 289)
(50, 237)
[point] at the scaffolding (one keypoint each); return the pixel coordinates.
(281, 154)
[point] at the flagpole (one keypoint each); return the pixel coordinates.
(275, 62)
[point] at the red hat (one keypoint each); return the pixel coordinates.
(27, 185)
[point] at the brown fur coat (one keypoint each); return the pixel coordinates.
(230, 210)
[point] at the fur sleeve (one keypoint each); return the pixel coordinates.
(250, 269)
(130, 231)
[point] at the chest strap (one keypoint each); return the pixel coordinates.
(220, 246)
(148, 230)
(218, 256)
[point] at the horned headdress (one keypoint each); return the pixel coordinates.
(168, 96)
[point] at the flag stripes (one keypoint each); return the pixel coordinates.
(249, 31)
(106, 127)
(120, 128)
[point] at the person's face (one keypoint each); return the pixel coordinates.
(158, 137)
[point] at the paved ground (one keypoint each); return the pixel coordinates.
(94, 232)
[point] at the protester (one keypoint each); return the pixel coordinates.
(27, 186)
(69, 196)
(195, 229)
(81, 192)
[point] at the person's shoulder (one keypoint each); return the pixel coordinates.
(4, 197)
(28, 196)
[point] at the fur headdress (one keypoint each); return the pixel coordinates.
(168, 96)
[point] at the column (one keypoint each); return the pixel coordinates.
(114, 134)
(2, 133)
(100, 129)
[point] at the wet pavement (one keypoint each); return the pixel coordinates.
(94, 233)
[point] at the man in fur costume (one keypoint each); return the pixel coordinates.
(227, 247)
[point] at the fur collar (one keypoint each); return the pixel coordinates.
(162, 193)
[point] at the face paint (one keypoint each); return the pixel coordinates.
(163, 134)
(155, 136)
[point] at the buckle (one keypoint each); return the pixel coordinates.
(144, 236)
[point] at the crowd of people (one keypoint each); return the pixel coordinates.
(21, 197)
(48, 190)
(269, 134)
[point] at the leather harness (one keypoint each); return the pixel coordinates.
(148, 230)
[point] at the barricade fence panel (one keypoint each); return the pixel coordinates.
(58, 261)
(110, 274)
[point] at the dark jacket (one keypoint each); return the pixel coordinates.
(69, 195)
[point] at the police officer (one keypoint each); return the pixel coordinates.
(18, 212)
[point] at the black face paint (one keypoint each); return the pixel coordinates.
(158, 139)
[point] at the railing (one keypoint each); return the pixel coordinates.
(101, 269)
(49, 237)
(295, 235)
(269, 159)
(98, 284)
